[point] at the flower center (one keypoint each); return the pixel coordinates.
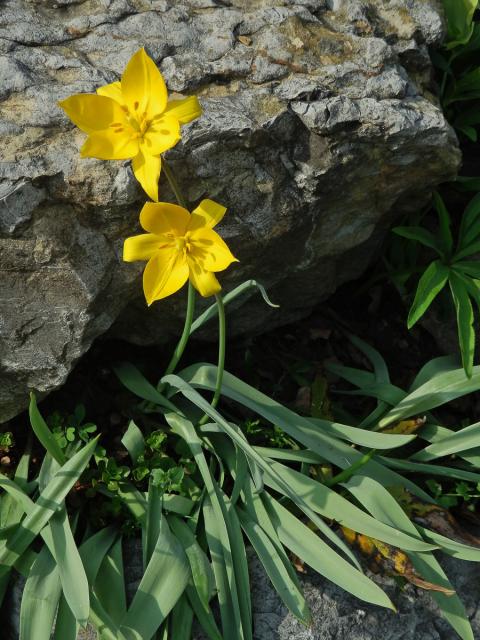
(183, 244)
(136, 121)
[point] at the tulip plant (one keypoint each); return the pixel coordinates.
(197, 490)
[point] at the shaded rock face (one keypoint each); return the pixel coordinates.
(319, 128)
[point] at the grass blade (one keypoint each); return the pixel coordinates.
(464, 311)
(205, 618)
(110, 584)
(66, 627)
(287, 589)
(43, 432)
(133, 441)
(70, 567)
(163, 583)
(216, 531)
(50, 500)
(429, 286)
(298, 427)
(181, 620)
(362, 437)
(384, 507)
(136, 382)
(440, 389)
(40, 598)
(313, 551)
(462, 440)
(202, 575)
(332, 505)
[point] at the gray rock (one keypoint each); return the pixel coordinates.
(320, 127)
(336, 614)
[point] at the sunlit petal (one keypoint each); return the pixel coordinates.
(143, 87)
(164, 218)
(162, 134)
(109, 145)
(210, 250)
(204, 282)
(142, 247)
(164, 274)
(91, 112)
(146, 169)
(184, 110)
(207, 214)
(112, 90)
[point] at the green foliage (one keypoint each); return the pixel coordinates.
(453, 266)
(198, 493)
(458, 65)
(462, 492)
(459, 14)
(6, 441)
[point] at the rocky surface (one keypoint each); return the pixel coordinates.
(336, 614)
(320, 127)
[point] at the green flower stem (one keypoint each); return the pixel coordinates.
(346, 474)
(182, 343)
(221, 355)
(172, 181)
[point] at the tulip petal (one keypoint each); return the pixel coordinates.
(184, 110)
(112, 90)
(204, 282)
(143, 87)
(210, 250)
(109, 145)
(146, 169)
(164, 218)
(142, 247)
(91, 112)
(166, 272)
(207, 214)
(162, 134)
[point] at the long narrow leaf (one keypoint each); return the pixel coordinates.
(329, 448)
(419, 234)
(49, 501)
(202, 575)
(110, 584)
(287, 589)
(332, 505)
(440, 389)
(70, 567)
(136, 382)
(133, 441)
(40, 598)
(163, 583)
(313, 551)
(239, 439)
(43, 432)
(464, 311)
(362, 437)
(206, 619)
(387, 510)
(429, 286)
(182, 620)
(462, 440)
(216, 531)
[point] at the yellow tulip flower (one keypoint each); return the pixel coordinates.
(179, 246)
(132, 118)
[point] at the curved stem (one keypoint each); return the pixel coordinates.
(172, 181)
(182, 343)
(221, 354)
